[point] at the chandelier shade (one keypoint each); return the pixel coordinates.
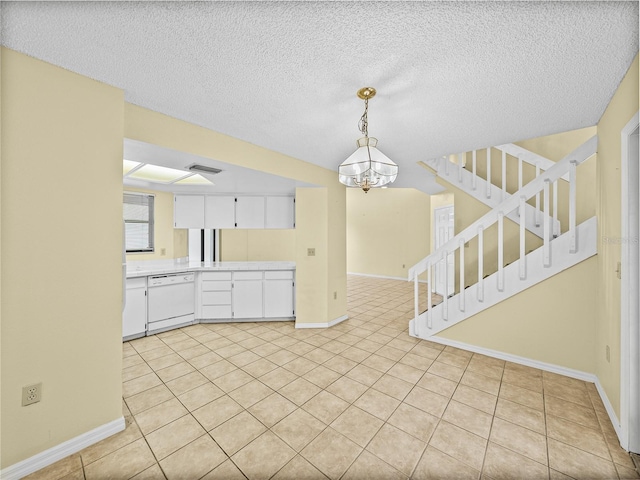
(367, 167)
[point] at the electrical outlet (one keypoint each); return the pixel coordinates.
(311, 252)
(163, 252)
(335, 295)
(31, 394)
(608, 354)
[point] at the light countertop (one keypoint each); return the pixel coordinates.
(158, 267)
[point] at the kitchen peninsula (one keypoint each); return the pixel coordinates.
(162, 295)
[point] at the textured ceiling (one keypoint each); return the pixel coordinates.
(451, 76)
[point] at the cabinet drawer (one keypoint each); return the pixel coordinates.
(216, 285)
(216, 275)
(216, 298)
(216, 311)
(137, 282)
(278, 275)
(247, 275)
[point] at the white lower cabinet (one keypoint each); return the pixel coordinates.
(216, 295)
(134, 317)
(278, 294)
(247, 295)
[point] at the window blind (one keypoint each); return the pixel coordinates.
(138, 221)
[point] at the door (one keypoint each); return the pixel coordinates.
(250, 212)
(134, 317)
(278, 294)
(279, 212)
(247, 295)
(188, 211)
(219, 211)
(444, 223)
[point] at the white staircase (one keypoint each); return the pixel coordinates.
(485, 191)
(557, 252)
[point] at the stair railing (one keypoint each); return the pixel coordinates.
(543, 183)
(522, 155)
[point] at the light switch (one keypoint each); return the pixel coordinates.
(311, 252)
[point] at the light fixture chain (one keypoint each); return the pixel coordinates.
(363, 124)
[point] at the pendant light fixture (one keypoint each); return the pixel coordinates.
(367, 167)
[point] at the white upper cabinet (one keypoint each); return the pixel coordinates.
(188, 211)
(219, 211)
(227, 211)
(280, 212)
(249, 212)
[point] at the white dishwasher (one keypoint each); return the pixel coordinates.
(171, 301)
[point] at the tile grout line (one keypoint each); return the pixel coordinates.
(353, 345)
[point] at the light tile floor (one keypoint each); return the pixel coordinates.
(361, 400)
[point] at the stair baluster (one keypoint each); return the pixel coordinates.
(462, 290)
(489, 172)
(523, 261)
(546, 252)
(572, 206)
(500, 251)
(475, 175)
(504, 175)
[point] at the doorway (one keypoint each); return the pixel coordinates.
(630, 289)
(444, 226)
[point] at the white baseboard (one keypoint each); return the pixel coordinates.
(333, 322)
(610, 411)
(548, 367)
(53, 454)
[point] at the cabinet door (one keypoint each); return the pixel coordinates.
(219, 212)
(188, 211)
(247, 295)
(250, 212)
(278, 298)
(134, 317)
(279, 212)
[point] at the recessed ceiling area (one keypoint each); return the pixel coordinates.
(163, 169)
(163, 175)
(450, 76)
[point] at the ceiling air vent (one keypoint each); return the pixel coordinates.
(203, 169)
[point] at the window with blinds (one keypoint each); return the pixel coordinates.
(138, 222)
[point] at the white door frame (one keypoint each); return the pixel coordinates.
(629, 289)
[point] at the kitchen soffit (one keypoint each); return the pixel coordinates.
(169, 171)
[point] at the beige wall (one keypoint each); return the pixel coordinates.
(175, 241)
(620, 110)
(387, 230)
(61, 254)
(257, 245)
(152, 127)
(553, 321)
(312, 229)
